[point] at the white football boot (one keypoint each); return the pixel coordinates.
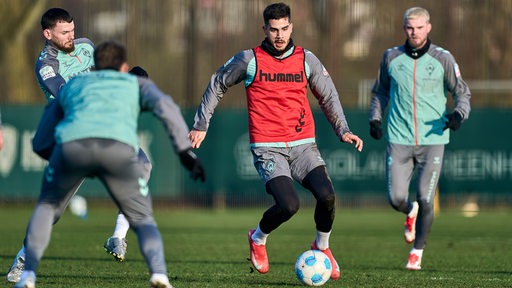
(28, 280)
(414, 262)
(116, 247)
(410, 223)
(159, 281)
(17, 267)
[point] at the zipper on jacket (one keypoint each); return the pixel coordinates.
(414, 104)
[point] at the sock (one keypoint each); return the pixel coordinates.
(418, 252)
(122, 226)
(322, 240)
(259, 237)
(410, 212)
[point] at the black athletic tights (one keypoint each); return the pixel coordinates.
(287, 200)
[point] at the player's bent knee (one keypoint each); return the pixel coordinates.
(291, 209)
(399, 204)
(329, 201)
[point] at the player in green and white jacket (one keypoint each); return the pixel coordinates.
(414, 81)
(62, 58)
(97, 137)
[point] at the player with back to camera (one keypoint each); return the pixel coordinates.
(62, 58)
(281, 127)
(413, 80)
(97, 137)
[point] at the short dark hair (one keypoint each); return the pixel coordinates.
(109, 55)
(53, 16)
(276, 11)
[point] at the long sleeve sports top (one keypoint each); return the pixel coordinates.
(276, 90)
(55, 67)
(106, 104)
(415, 84)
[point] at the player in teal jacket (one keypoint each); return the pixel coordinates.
(414, 81)
(97, 137)
(62, 58)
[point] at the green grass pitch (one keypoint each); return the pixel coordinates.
(206, 248)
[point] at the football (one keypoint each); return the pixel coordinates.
(78, 206)
(313, 268)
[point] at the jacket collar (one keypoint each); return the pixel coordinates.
(416, 53)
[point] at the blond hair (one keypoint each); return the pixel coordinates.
(416, 12)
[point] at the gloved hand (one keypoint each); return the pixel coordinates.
(375, 130)
(137, 70)
(192, 163)
(454, 121)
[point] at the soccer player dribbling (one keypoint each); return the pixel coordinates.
(281, 128)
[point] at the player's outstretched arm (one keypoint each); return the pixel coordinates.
(353, 139)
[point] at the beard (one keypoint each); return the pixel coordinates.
(66, 48)
(417, 43)
(271, 49)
